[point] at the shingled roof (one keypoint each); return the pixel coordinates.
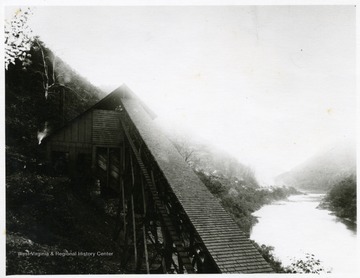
(108, 102)
(231, 250)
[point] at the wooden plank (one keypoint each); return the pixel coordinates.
(81, 130)
(144, 228)
(107, 167)
(61, 146)
(84, 146)
(106, 127)
(88, 128)
(132, 209)
(74, 131)
(93, 158)
(67, 131)
(60, 136)
(123, 201)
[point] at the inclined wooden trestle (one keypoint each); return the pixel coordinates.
(167, 222)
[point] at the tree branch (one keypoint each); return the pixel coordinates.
(46, 79)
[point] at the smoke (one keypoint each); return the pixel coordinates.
(42, 134)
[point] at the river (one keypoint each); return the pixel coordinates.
(295, 227)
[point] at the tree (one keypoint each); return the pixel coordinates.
(308, 265)
(185, 149)
(27, 110)
(342, 198)
(51, 77)
(268, 254)
(18, 38)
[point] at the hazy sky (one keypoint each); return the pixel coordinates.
(272, 85)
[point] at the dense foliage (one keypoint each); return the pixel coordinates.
(309, 264)
(342, 198)
(42, 213)
(29, 110)
(210, 160)
(18, 36)
(267, 253)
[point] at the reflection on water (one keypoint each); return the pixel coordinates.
(295, 227)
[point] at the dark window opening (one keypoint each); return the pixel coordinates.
(83, 163)
(60, 162)
(108, 170)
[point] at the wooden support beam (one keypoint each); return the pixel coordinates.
(121, 204)
(152, 178)
(134, 227)
(107, 167)
(181, 266)
(169, 232)
(133, 209)
(155, 242)
(123, 161)
(144, 227)
(93, 158)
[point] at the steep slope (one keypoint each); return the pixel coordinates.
(44, 93)
(205, 157)
(43, 213)
(321, 171)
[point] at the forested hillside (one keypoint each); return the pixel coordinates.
(320, 172)
(341, 198)
(42, 94)
(203, 157)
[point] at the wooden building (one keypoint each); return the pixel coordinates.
(168, 221)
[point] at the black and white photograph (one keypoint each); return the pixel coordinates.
(168, 137)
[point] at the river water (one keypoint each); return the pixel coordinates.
(295, 227)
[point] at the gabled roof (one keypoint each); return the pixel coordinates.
(123, 92)
(109, 102)
(231, 250)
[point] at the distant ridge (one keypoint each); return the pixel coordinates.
(322, 170)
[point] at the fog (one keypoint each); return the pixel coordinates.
(272, 85)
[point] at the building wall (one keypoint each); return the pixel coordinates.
(79, 131)
(97, 128)
(106, 128)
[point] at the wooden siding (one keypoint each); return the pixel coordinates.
(78, 131)
(106, 128)
(68, 146)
